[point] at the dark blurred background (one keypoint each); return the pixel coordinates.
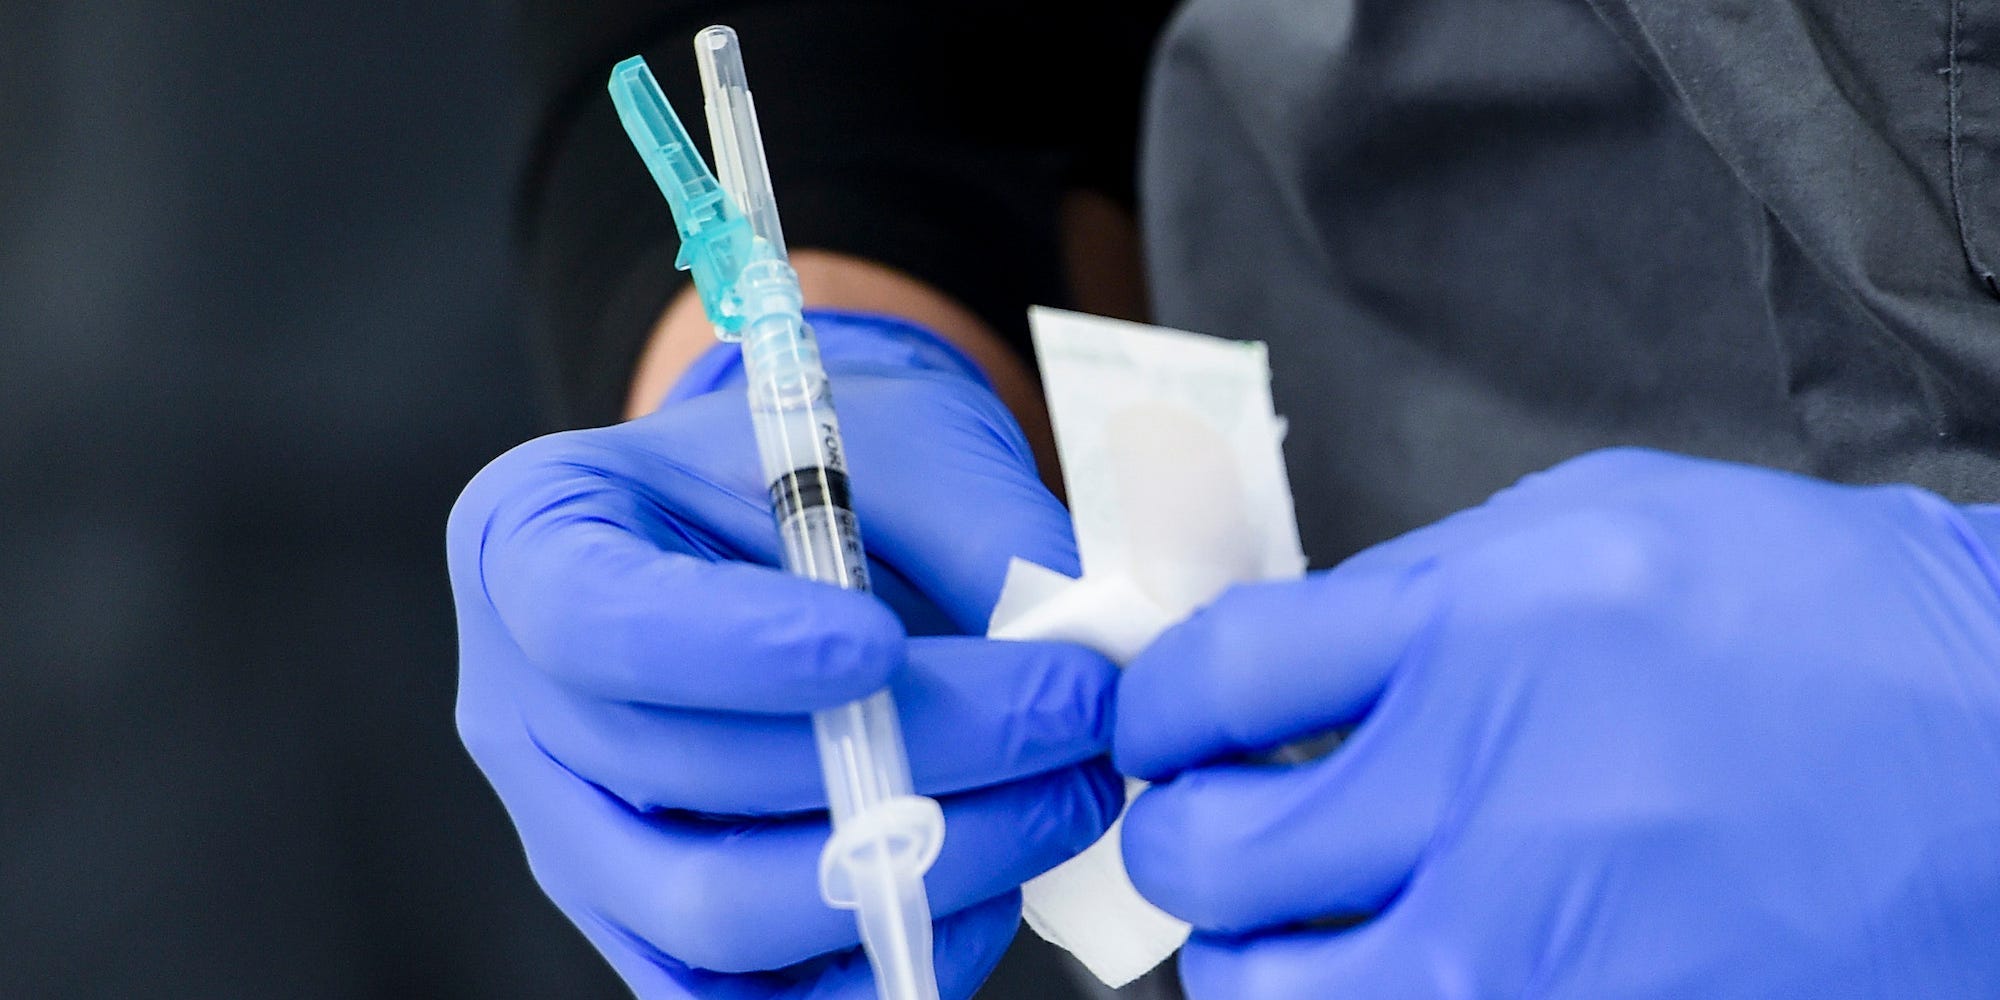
(256, 328)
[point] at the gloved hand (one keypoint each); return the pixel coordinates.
(634, 676)
(1641, 726)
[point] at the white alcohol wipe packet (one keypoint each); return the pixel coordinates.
(1172, 460)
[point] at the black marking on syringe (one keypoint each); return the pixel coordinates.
(804, 489)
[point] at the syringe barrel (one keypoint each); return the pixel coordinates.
(798, 436)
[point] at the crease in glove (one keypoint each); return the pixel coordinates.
(1172, 458)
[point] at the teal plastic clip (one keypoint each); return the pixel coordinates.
(716, 238)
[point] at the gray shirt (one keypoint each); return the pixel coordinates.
(1482, 238)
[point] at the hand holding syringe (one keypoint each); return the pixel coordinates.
(884, 836)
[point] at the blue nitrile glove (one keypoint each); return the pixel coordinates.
(634, 674)
(1641, 726)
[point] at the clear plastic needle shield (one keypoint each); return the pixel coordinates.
(884, 836)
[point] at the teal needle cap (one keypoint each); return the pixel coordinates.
(716, 238)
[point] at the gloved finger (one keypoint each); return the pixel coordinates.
(949, 507)
(944, 509)
(974, 712)
(1376, 959)
(738, 896)
(966, 946)
(589, 596)
(727, 890)
(1269, 663)
(1239, 848)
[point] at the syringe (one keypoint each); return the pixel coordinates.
(884, 836)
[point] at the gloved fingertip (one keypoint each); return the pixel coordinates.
(1066, 698)
(1132, 752)
(1160, 855)
(1270, 662)
(470, 521)
(1159, 720)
